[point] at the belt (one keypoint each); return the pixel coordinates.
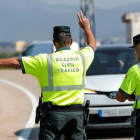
(67, 108)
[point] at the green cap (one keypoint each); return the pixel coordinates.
(61, 31)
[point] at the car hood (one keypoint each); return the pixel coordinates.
(104, 83)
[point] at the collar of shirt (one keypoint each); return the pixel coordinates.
(63, 48)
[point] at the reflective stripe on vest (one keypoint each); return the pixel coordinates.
(67, 87)
(137, 97)
(138, 65)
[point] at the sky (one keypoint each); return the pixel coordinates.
(18, 18)
(103, 4)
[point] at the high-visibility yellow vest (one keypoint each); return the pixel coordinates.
(131, 84)
(61, 75)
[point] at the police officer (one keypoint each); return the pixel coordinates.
(130, 87)
(61, 76)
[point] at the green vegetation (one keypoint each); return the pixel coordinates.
(7, 55)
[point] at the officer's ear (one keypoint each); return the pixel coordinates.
(71, 41)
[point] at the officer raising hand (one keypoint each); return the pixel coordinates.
(85, 25)
(83, 21)
(61, 76)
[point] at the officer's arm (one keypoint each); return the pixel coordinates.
(131, 98)
(10, 62)
(85, 25)
(120, 97)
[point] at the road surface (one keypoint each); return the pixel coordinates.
(16, 108)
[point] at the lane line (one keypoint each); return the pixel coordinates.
(24, 135)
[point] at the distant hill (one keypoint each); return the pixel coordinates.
(33, 20)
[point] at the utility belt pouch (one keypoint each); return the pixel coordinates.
(134, 116)
(86, 112)
(38, 110)
(46, 109)
(38, 115)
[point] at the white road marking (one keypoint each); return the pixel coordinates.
(24, 135)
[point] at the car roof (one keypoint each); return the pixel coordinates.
(114, 47)
(42, 42)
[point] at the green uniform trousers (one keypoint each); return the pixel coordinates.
(137, 129)
(70, 124)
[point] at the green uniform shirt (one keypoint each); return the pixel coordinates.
(131, 83)
(66, 73)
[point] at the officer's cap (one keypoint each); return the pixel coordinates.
(136, 40)
(61, 31)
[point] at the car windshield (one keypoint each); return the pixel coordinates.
(112, 62)
(34, 50)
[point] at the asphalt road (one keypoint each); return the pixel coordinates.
(119, 134)
(16, 107)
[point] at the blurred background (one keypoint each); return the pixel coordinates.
(24, 21)
(26, 27)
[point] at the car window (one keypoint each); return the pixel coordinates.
(34, 50)
(28, 51)
(112, 62)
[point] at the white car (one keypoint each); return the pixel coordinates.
(104, 77)
(45, 46)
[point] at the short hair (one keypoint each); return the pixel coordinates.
(62, 40)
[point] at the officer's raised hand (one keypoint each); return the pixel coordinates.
(85, 25)
(83, 21)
